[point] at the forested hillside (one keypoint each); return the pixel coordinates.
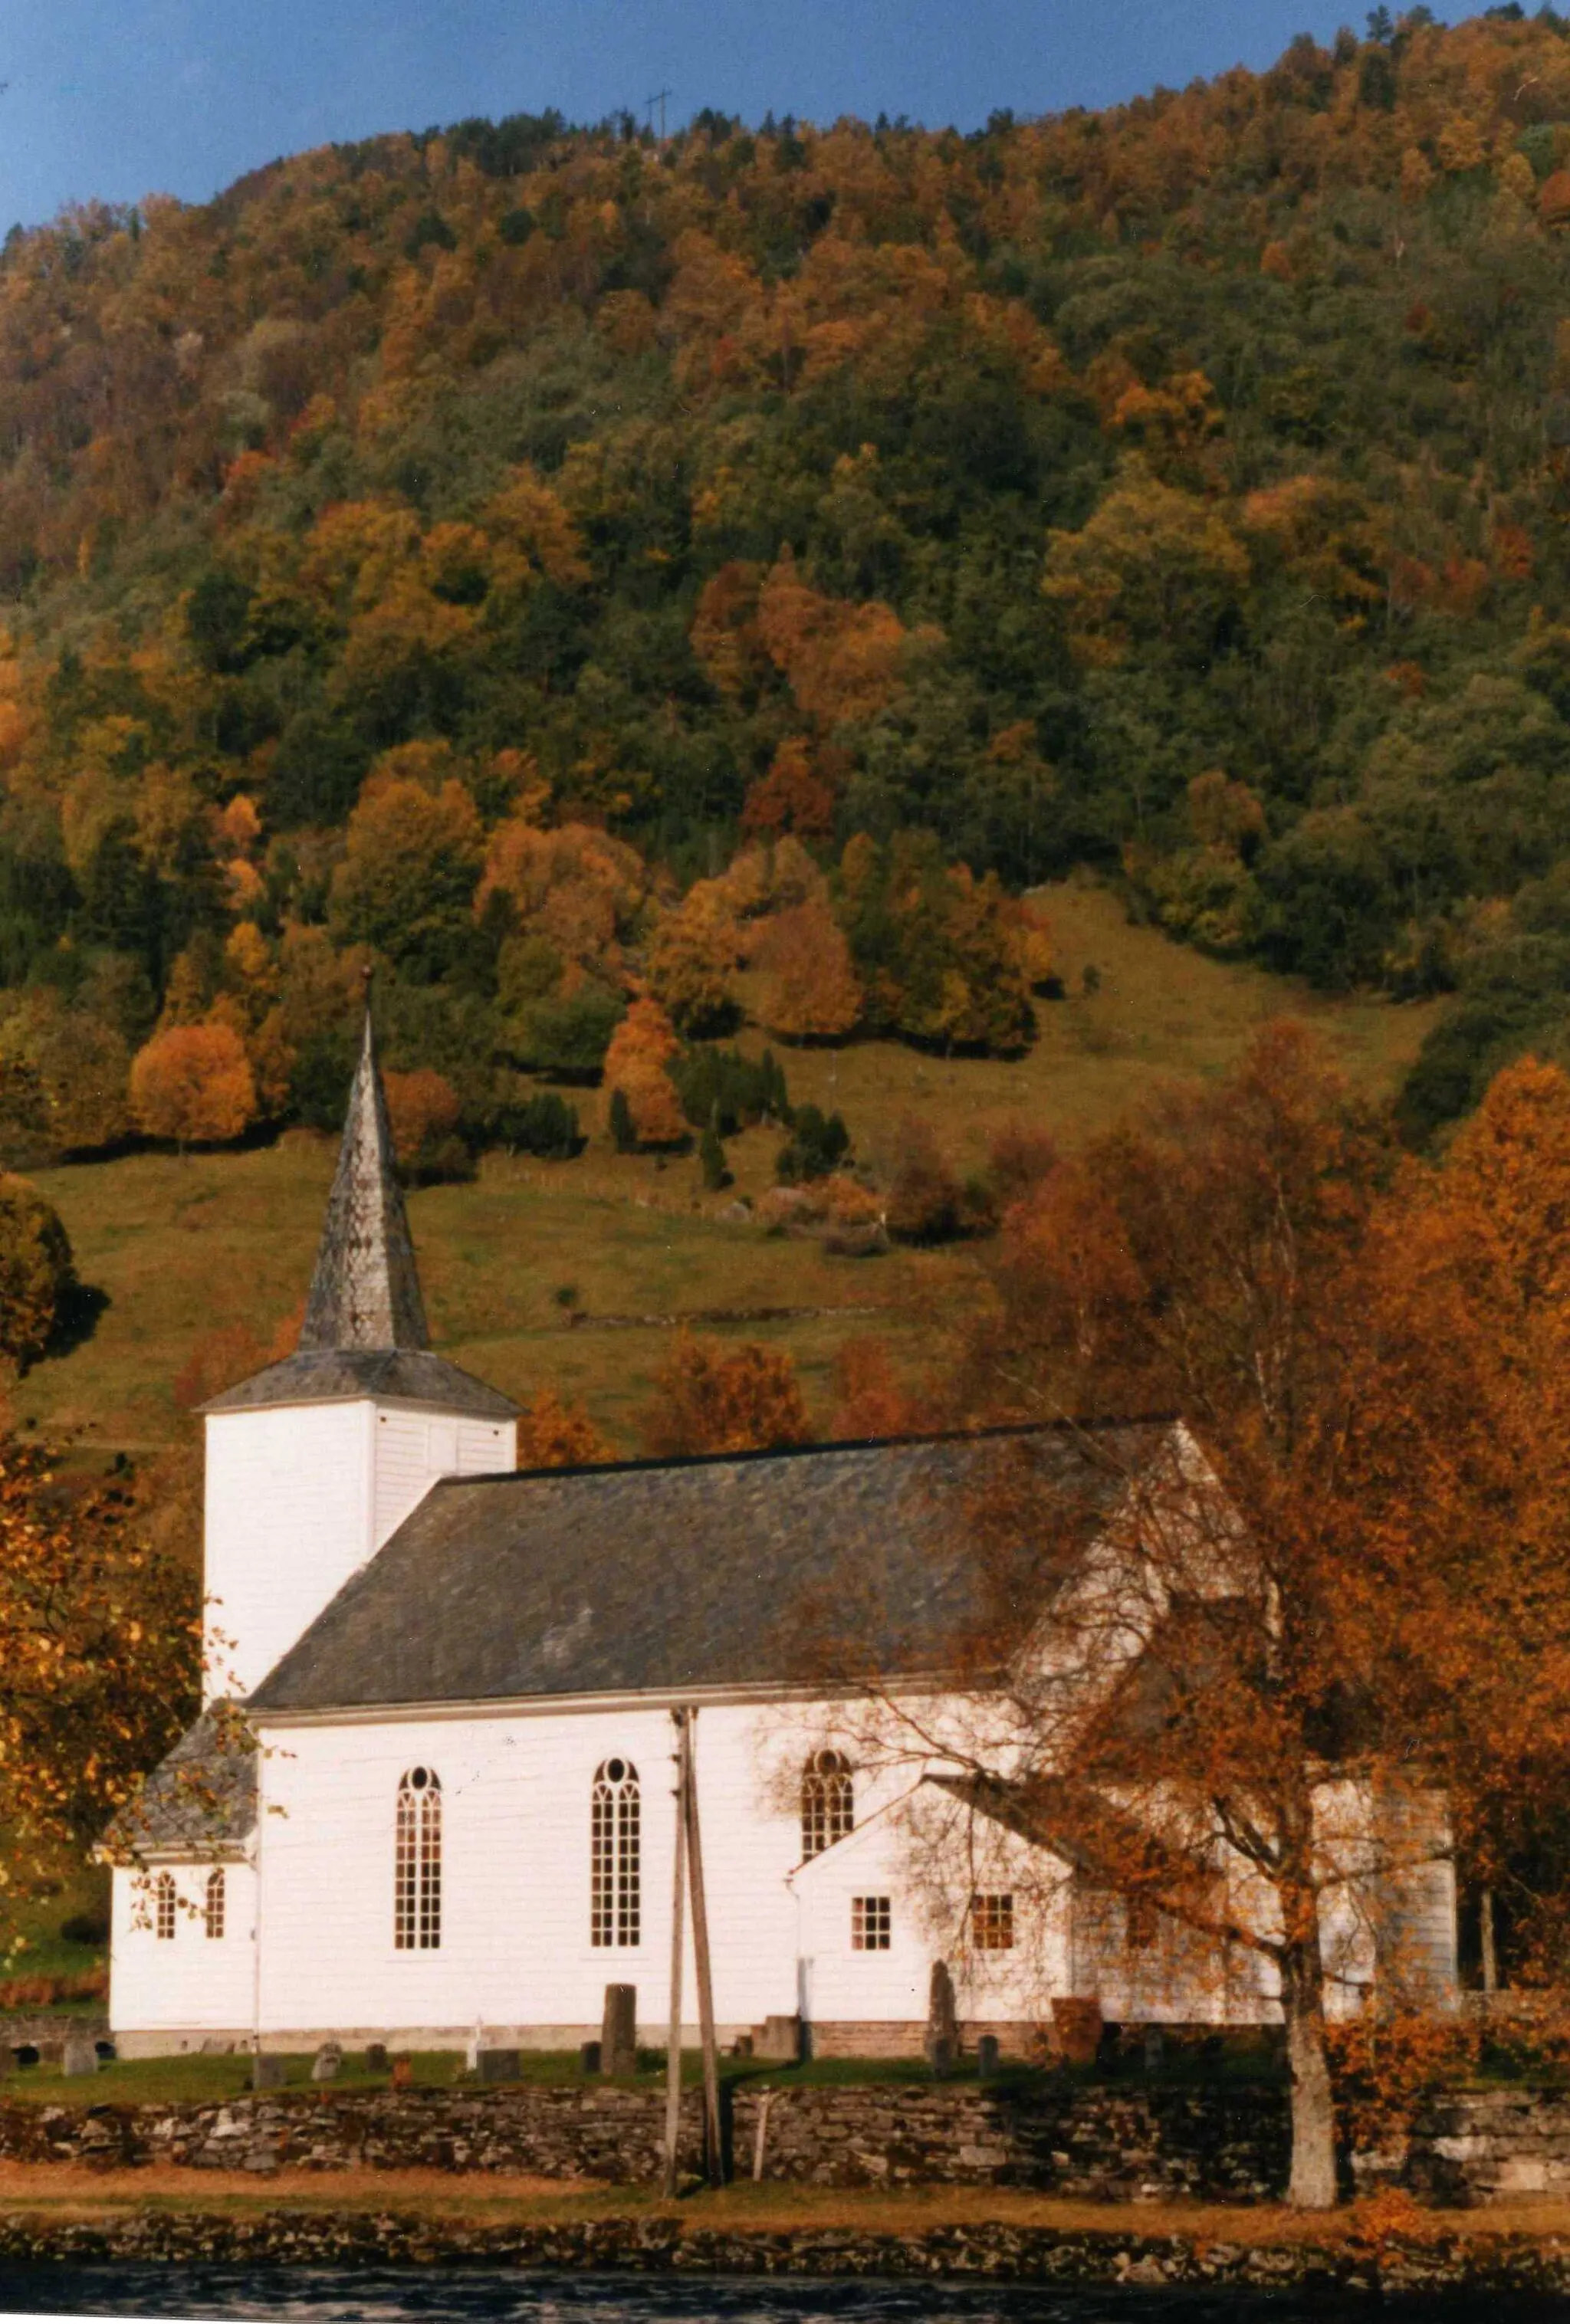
(614, 584)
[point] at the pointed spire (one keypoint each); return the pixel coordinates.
(366, 1290)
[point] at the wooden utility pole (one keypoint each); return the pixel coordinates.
(673, 2052)
(714, 2159)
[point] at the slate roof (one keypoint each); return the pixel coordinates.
(366, 1290)
(414, 1375)
(200, 1800)
(658, 1577)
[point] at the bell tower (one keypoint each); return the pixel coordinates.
(314, 1463)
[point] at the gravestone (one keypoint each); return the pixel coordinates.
(81, 2055)
(403, 2073)
(1077, 2022)
(375, 2057)
(266, 2072)
(327, 2063)
(498, 2066)
(941, 2046)
(589, 2057)
(619, 2031)
(986, 2057)
(780, 2043)
(1155, 2049)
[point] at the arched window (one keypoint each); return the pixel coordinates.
(829, 1805)
(615, 1890)
(416, 1884)
(213, 1909)
(164, 1907)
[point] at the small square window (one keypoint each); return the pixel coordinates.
(991, 1923)
(872, 1924)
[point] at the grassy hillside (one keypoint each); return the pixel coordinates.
(180, 1245)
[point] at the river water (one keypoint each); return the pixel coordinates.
(302, 2295)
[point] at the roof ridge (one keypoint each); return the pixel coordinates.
(642, 1465)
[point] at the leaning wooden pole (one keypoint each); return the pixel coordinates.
(678, 1901)
(713, 2158)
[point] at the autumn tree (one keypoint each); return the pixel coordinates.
(807, 987)
(99, 1661)
(227, 1353)
(791, 796)
(1314, 1601)
(410, 867)
(37, 1271)
(63, 1079)
(870, 1398)
(943, 957)
(637, 1071)
(555, 1434)
(692, 961)
(424, 1109)
(193, 1084)
(709, 1397)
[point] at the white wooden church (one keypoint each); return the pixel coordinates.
(460, 1812)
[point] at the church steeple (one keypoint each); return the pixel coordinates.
(366, 1290)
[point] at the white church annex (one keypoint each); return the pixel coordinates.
(460, 1679)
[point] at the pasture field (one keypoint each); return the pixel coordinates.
(570, 1275)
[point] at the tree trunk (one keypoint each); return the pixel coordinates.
(1312, 2187)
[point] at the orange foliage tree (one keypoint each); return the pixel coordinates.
(637, 1064)
(423, 1108)
(193, 1084)
(842, 661)
(791, 796)
(1349, 1583)
(870, 1400)
(555, 1434)
(808, 988)
(711, 1398)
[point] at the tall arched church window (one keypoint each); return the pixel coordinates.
(615, 1888)
(829, 1805)
(164, 1907)
(213, 1904)
(417, 1882)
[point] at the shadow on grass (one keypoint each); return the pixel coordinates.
(77, 1318)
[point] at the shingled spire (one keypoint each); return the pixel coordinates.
(365, 1291)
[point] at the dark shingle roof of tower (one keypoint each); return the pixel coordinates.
(392, 1375)
(662, 1576)
(365, 1291)
(199, 1800)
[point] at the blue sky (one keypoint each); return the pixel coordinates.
(117, 98)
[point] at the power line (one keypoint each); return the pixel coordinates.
(657, 98)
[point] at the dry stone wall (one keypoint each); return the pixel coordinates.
(1098, 2143)
(1094, 2143)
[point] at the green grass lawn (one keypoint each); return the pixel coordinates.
(195, 2078)
(180, 1245)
